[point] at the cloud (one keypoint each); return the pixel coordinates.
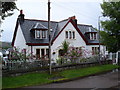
(60, 0)
(85, 12)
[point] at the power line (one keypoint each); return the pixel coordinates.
(73, 11)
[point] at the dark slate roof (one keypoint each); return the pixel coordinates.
(56, 27)
(39, 26)
(28, 24)
(86, 28)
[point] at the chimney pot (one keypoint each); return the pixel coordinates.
(21, 11)
(73, 17)
(21, 16)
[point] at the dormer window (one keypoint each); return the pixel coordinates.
(40, 31)
(37, 32)
(93, 36)
(41, 34)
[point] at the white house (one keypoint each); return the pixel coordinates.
(32, 36)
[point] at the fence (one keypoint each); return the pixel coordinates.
(17, 66)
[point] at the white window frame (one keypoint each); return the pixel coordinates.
(69, 34)
(40, 34)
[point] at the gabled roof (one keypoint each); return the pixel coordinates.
(38, 25)
(86, 28)
(56, 29)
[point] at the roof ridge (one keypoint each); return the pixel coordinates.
(64, 20)
(40, 20)
(37, 25)
(84, 24)
(72, 17)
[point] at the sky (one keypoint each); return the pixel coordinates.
(86, 12)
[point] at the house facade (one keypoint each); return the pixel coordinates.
(32, 36)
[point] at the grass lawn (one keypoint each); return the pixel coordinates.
(42, 78)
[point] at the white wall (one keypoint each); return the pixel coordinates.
(77, 42)
(102, 48)
(20, 40)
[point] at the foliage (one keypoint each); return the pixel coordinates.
(1, 59)
(111, 26)
(111, 43)
(7, 9)
(83, 60)
(17, 55)
(71, 54)
(60, 61)
(42, 78)
(74, 53)
(65, 47)
(94, 58)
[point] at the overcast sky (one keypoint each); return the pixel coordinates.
(86, 12)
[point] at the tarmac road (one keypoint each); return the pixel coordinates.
(107, 80)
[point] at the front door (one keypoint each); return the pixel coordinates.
(37, 53)
(42, 53)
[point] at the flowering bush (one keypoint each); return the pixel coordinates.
(15, 54)
(73, 54)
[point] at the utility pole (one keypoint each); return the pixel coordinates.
(50, 66)
(99, 36)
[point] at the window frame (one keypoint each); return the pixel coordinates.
(40, 34)
(66, 34)
(73, 33)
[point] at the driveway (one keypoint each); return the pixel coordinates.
(107, 80)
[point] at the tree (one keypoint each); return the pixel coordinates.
(111, 34)
(7, 9)
(65, 47)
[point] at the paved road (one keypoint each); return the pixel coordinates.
(100, 81)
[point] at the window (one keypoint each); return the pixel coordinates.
(40, 34)
(70, 35)
(42, 52)
(73, 34)
(37, 34)
(37, 53)
(47, 52)
(44, 34)
(95, 50)
(66, 34)
(93, 36)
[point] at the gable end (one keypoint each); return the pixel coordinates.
(15, 32)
